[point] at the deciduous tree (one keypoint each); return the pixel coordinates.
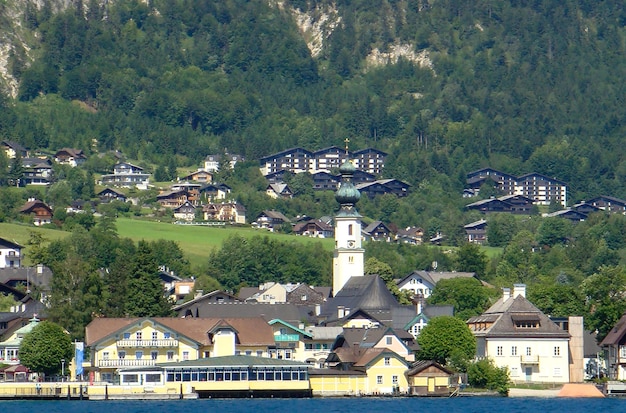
(45, 347)
(445, 337)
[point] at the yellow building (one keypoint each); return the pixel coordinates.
(374, 371)
(119, 343)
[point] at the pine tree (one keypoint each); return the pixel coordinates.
(145, 298)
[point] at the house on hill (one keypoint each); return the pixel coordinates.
(314, 228)
(111, 194)
(476, 232)
(12, 149)
(185, 212)
(70, 156)
(127, 175)
(279, 190)
(270, 220)
(422, 283)
(377, 231)
(410, 235)
(41, 213)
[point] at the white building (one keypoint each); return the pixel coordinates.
(10, 254)
(517, 335)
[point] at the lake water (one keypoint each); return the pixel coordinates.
(340, 405)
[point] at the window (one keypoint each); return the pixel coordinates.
(185, 355)
(259, 353)
(350, 229)
(153, 378)
(387, 361)
(138, 355)
(154, 355)
(514, 371)
(248, 352)
(126, 336)
(288, 354)
(167, 335)
(514, 350)
(105, 355)
(122, 354)
(557, 351)
(379, 379)
(237, 352)
(529, 351)
(394, 380)
(389, 340)
(557, 371)
(138, 335)
(499, 351)
(170, 355)
(155, 335)
(130, 378)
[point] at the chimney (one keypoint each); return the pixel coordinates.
(506, 294)
(419, 303)
(519, 289)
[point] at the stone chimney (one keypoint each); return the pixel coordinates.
(506, 294)
(519, 289)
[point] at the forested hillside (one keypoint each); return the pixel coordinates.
(517, 85)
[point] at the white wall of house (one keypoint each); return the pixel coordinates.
(531, 360)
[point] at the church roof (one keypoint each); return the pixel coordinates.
(367, 293)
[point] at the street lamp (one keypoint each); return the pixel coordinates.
(62, 368)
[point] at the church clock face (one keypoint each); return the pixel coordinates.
(351, 244)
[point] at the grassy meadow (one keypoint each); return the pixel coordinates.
(196, 241)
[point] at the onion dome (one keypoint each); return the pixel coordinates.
(347, 194)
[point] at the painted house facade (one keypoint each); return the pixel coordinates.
(118, 343)
(10, 254)
(515, 334)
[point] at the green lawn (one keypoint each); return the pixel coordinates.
(197, 241)
(20, 233)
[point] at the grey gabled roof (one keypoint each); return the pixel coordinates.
(504, 313)
(366, 293)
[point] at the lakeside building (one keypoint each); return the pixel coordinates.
(517, 335)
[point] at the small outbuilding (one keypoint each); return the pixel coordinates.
(428, 378)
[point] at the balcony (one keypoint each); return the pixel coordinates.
(165, 343)
(529, 359)
(117, 363)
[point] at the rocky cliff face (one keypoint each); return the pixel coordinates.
(315, 26)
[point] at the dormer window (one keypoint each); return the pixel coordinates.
(525, 321)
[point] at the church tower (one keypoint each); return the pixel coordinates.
(348, 256)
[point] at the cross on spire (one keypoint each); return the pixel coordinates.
(347, 141)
